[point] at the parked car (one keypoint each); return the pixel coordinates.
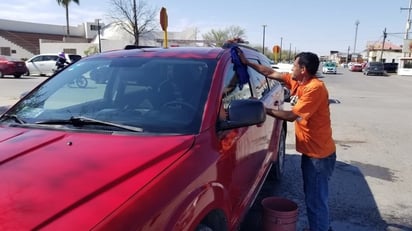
(390, 67)
(357, 67)
(173, 140)
(284, 67)
(329, 68)
(9, 66)
(374, 68)
(45, 64)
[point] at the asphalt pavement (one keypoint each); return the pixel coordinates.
(370, 189)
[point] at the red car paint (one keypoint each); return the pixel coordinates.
(74, 178)
(12, 67)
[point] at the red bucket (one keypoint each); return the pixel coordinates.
(280, 214)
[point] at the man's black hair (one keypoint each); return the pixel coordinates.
(308, 60)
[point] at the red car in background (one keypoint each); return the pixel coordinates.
(173, 139)
(9, 66)
(357, 67)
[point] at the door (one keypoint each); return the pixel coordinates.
(43, 64)
(246, 148)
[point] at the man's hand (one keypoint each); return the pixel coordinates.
(242, 57)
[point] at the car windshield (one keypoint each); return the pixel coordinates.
(329, 65)
(158, 95)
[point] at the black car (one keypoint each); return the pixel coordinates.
(374, 68)
(390, 67)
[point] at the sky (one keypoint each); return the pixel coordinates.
(318, 26)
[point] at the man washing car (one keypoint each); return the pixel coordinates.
(311, 116)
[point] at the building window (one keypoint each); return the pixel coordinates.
(70, 51)
(5, 51)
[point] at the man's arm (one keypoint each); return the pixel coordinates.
(262, 69)
(284, 115)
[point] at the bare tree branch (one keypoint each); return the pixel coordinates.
(136, 18)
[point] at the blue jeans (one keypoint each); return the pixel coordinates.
(316, 174)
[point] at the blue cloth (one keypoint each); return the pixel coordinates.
(316, 174)
(239, 68)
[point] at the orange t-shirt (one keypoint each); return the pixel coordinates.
(313, 128)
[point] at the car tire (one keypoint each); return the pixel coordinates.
(17, 76)
(277, 169)
(1, 74)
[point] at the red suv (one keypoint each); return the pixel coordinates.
(171, 140)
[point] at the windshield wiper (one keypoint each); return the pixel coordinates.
(15, 118)
(79, 121)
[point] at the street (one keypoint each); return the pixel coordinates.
(371, 188)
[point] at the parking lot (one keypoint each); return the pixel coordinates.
(371, 186)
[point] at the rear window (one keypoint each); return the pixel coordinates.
(376, 64)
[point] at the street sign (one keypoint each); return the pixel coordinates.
(163, 19)
(276, 49)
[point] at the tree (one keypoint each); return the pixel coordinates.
(136, 19)
(220, 36)
(66, 4)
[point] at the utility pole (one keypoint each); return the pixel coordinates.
(290, 52)
(356, 35)
(347, 57)
(408, 20)
(408, 25)
(263, 43)
(280, 53)
(98, 35)
(383, 43)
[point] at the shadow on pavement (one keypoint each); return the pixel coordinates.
(352, 204)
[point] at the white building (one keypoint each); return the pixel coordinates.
(22, 40)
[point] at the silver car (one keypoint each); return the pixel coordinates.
(329, 68)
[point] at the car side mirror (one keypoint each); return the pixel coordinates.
(242, 113)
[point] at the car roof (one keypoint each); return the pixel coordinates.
(178, 52)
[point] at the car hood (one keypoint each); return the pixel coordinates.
(50, 177)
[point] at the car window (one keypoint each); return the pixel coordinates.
(329, 65)
(45, 58)
(37, 59)
(157, 95)
(259, 81)
(231, 89)
(74, 58)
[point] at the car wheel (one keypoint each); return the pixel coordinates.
(27, 73)
(17, 76)
(81, 82)
(277, 169)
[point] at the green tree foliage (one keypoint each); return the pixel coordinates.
(65, 4)
(91, 50)
(219, 36)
